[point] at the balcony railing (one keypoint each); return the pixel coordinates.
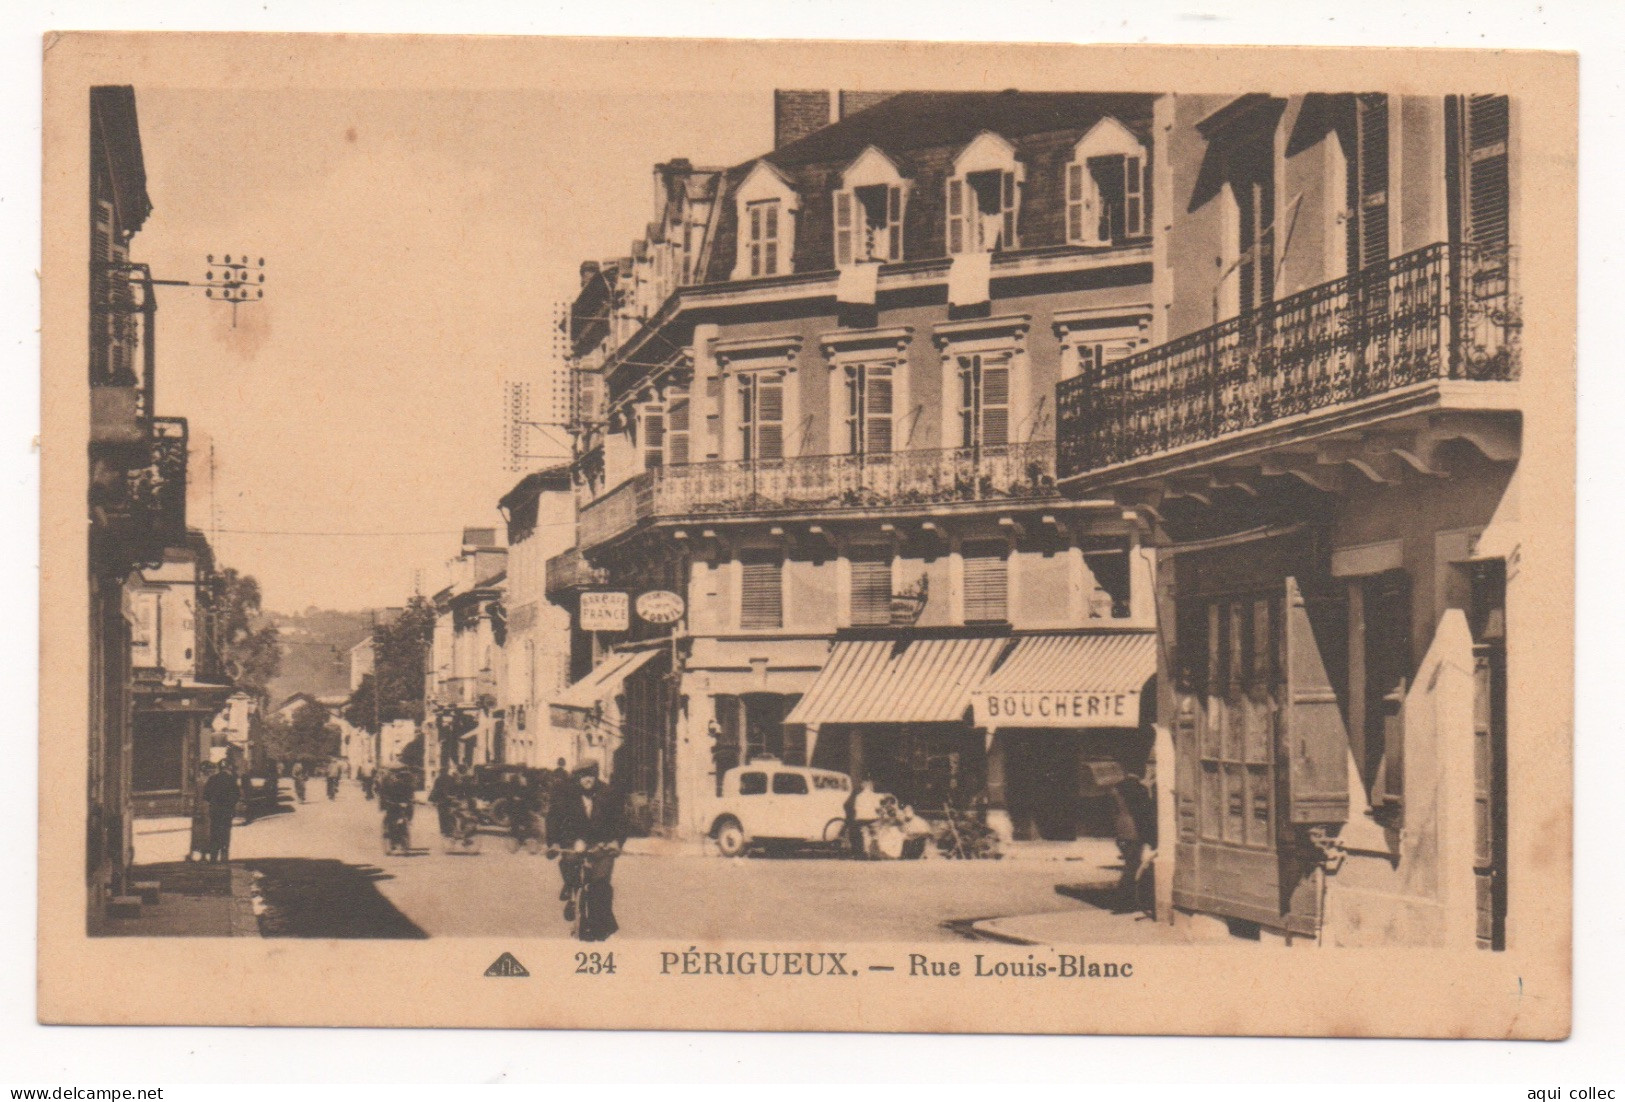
(821, 483)
(1441, 312)
(140, 512)
(570, 570)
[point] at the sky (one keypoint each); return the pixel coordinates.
(413, 244)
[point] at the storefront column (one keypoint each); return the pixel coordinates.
(998, 810)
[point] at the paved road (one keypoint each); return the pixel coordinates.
(324, 874)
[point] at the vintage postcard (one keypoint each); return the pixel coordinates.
(768, 535)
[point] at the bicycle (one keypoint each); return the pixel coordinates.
(397, 831)
(597, 865)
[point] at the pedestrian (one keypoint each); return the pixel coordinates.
(335, 773)
(1135, 828)
(298, 775)
(365, 776)
(586, 822)
(198, 848)
(397, 797)
(221, 794)
(862, 809)
(446, 793)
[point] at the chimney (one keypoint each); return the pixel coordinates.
(475, 539)
(589, 268)
(797, 114)
(853, 102)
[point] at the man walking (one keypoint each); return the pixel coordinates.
(221, 793)
(446, 794)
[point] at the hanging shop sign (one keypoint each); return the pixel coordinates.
(1048, 708)
(605, 611)
(659, 606)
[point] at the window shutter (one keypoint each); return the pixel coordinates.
(1007, 237)
(986, 583)
(761, 596)
(1133, 197)
(770, 417)
(1371, 121)
(1488, 123)
(995, 403)
(956, 215)
(1075, 212)
(877, 410)
(843, 228)
(894, 223)
(755, 240)
(969, 399)
(677, 413)
(871, 587)
(654, 438)
(1316, 740)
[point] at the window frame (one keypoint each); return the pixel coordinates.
(748, 619)
(1109, 149)
(964, 234)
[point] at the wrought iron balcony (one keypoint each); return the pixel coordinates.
(570, 571)
(1442, 312)
(823, 484)
(138, 512)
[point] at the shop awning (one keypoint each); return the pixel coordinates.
(885, 681)
(1068, 681)
(604, 681)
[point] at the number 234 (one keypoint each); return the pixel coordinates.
(595, 964)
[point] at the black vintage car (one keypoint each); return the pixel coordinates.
(497, 788)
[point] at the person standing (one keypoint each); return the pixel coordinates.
(1135, 827)
(221, 794)
(365, 776)
(335, 773)
(198, 850)
(298, 775)
(446, 793)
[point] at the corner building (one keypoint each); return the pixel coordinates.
(818, 402)
(1325, 440)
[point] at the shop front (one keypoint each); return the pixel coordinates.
(1066, 717)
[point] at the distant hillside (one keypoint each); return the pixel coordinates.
(316, 651)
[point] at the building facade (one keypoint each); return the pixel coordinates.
(832, 437)
(540, 512)
(136, 499)
(463, 686)
(1324, 440)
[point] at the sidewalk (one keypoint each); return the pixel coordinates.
(196, 900)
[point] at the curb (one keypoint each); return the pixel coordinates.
(243, 921)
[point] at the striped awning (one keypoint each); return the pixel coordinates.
(604, 681)
(1071, 681)
(886, 681)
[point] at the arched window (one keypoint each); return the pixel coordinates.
(869, 210)
(766, 205)
(983, 196)
(1107, 187)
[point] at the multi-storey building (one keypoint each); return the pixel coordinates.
(136, 499)
(464, 679)
(833, 438)
(540, 512)
(179, 686)
(1326, 436)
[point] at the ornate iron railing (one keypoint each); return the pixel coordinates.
(139, 512)
(824, 483)
(1441, 312)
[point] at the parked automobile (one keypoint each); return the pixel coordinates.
(768, 803)
(259, 794)
(493, 788)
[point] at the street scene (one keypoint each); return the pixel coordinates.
(1042, 517)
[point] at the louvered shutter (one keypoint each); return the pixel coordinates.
(654, 437)
(877, 410)
(894, 223)
(770, 240)
(1133, 197)
(770, 417)
(761, 596)
(1488, 121)
(843, 228)
(677, 427)
(969, 399)
(755, 240)
(103, 359)
(1075, 206)
(956, 215)
(986, 583)
(1316, 742)
(995, 403)
(1371, 122)
(871, 587)
(1007, 206)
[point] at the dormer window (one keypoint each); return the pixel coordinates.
(766, 208)
(1107, 187)
(869, 211)
(983, 197)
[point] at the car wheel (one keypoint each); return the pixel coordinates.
(730, 838)
(835, 831)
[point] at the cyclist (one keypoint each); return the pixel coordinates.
(585, 822)
(397, 798)
(447, 796)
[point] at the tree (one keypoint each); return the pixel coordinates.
(250, 655)
(394, 690)
(307, 735)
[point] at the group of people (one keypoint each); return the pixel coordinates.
(583, 819)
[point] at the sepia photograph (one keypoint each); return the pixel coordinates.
(835, 521)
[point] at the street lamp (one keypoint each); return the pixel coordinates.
(235, 280)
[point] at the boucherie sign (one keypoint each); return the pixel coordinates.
(1049, 708)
